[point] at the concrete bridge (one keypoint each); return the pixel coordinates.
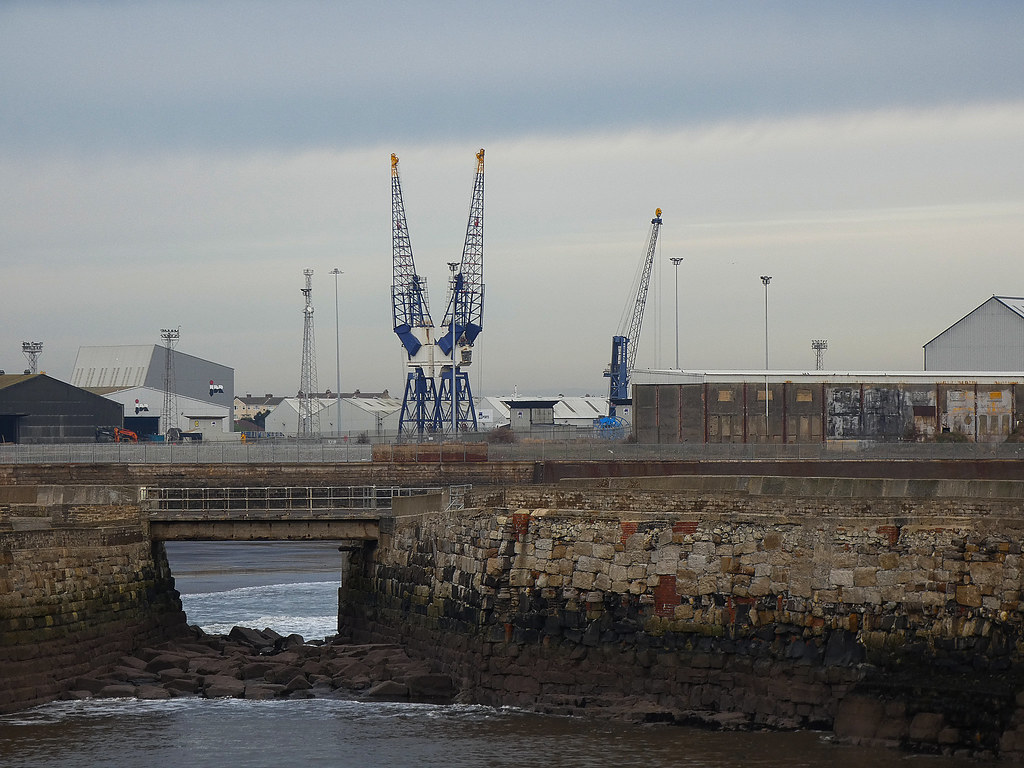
(271, 513)
(295, 513)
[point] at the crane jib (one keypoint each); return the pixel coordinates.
(625, 343)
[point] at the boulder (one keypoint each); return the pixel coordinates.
(298, 683)
(256, 669)
(152, 692)
(208, 666)
(221, 686)
(118, 691)
(283, 674)
(389, 689)
(90, 684)
(75, 695)
(184, 685)
(262, 691)
(250, 637)
(167, 661)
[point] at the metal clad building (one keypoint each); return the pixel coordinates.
(817, 407)
(990, 338)
(37, 409)
(145, 365)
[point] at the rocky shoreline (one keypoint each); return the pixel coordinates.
(262, 664)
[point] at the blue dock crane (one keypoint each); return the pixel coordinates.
(437, 392)
(412, 322)
(624, 344)
(463, 320)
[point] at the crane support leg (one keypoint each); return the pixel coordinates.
(418, 408)
(466, 417)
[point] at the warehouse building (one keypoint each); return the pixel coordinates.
(35, 408)
(143, 414)
(206, 386)
(819, 407)
(361, 415)
(989, 338)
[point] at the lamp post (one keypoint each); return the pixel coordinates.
(675, 263)
(337, 350)
(453, 265)
(767, 432)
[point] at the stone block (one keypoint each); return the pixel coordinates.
(582, 580)
(987, 574)
(864, 577)
(841, 577)
(968, 595)
(925, 727)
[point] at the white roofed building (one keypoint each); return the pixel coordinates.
(371, 415)
(580, 411)
(989, 338)
(105, 370)
(143, 413)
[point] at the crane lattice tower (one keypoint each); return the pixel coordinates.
(309, 412)
(169, 414)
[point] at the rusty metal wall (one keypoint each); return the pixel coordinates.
(814, 412)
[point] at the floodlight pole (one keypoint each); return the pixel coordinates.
(766, 279)
(337, 350)
(675, 262)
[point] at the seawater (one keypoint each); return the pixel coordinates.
(293, 588)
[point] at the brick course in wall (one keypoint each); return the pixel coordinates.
(688, 605)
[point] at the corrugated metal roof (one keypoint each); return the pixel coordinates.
(652, 376)
(10, 379)
(581, 407)
(1012, 303)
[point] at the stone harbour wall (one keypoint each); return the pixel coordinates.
(891, 620)
(80, 586)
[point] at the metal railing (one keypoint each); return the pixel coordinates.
(268, 452)
(311, 500)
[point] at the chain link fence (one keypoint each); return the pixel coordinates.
(527, 449)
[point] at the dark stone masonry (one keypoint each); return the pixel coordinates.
(887, 611)
(893, 621)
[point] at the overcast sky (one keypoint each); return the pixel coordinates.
(181, 163)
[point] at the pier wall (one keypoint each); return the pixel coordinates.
(893, 620)
(81, 584)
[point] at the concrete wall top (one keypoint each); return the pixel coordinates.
(832, 487)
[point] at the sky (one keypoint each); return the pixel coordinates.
(179, 164)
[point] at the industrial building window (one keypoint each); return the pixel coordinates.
(804, 396)
(725, 395)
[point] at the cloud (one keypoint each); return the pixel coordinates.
(880, 230)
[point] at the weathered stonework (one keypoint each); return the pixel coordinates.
(881, 617)
(80, 585)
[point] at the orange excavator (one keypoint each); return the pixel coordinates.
(125, 436)
(115, 435)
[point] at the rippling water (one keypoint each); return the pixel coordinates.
(294, 589)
